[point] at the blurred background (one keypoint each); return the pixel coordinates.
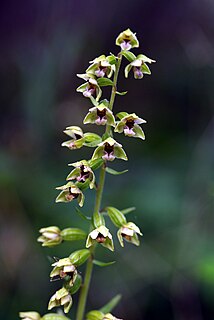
(171, 175)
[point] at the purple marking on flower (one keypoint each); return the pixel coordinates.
(101, 117)
(128, 131)
(101, 121)
(108, 152)
(138, 73)
(88, 92)
(83, 174)
(125, 45)
(100, 72)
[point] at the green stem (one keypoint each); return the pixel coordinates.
(89, 266)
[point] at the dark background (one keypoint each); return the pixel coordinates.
(171, 175)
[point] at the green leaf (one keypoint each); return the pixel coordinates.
(103, 82)
(121, 93)
(103, 264)
(128, 210)
(114, 172)
(122, 114)
(128, 55)
(82, 215)
(108, 307)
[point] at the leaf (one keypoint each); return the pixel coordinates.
(103, 82)
(103, 264)
(114, 172)
(121, 115)
(92, 139)
(121, 93)
(129, 55)
(108, 307)
(128, 210)
(82, 215)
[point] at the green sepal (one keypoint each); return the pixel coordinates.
(54, 316)
(120, 153)
(127, 70)
(128, 210)
(32, 315)
(116, 216)
(103, 264)
(146, 69)
(98, 220)
(96, 164)
(121, 93)
(94, 315)
(145, 58)
(114, 172)
(79, 257)
(128, 55)
(108, 307)
(76, 285)
(121, 115)
(92, 139)
(73, 234)
(82, 215)
(103, 82)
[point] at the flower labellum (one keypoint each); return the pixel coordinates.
(100, 235)
(61, 298)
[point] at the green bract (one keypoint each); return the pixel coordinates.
(70, 192)
(129, 124)
(100, 115)
(61, 298)
(139, 66)
(51, 236)
(129, 232)
(127, 40)
(101, 67)
(108, 150)
(100, 235)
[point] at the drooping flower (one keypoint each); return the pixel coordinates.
(129, 124)
(101, 67)
(70, 192)
(77, 136)
(61, 298)
(102, 236)
(64, 268)
(82, 173)
(50, 236)
(129, 232)
(89, 88)
(100, 115)
(108, 150)
(139, 66)
(29, 315)
(127, 40)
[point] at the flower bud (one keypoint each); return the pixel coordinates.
(77, 136)
(70, 192)
(108, 150)
(51, 236)
(29, 315)
(100, 115)
(100, 235)
(129, 232)
(64, 268)
(127, 40)
(61, 298)
(129, 124)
